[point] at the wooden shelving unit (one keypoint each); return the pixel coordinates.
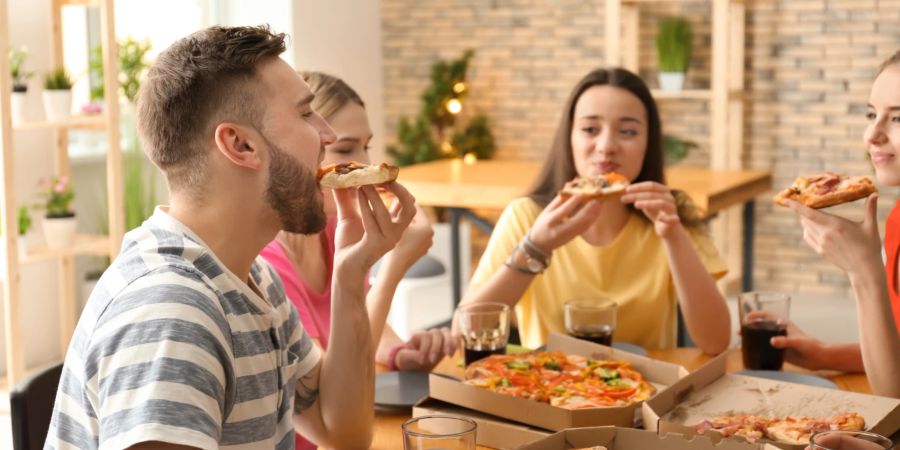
(84, 244)
(725, 97)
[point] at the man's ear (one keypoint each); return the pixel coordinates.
(241, 145)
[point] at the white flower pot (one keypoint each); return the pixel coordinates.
(58, 104)
(24, 243)
(59, 232)
(19, 100)
(671, 81)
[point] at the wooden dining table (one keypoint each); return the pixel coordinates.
(493, 184)
(388, 434)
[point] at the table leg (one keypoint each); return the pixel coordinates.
(749, 222)
(455, 275)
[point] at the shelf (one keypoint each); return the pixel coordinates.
(690, 94)
(91, 122)
(85, 244)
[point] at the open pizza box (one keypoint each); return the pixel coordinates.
(615, 438)
(660, 374)
(492, 431)
(709, 392)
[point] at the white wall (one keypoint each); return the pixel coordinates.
(343, 38)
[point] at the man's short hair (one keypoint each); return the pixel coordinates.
(198, 82)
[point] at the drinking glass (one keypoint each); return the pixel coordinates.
(439, 432)
(762, 315)
(485, 329)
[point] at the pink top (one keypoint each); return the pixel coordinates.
(313, 307)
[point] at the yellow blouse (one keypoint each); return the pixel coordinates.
(633, 271)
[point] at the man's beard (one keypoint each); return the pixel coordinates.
(294, 194)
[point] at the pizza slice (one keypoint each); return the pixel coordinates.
(798, 430)
(351, 174)
(607, 184)
(751, 428)
(826, 189)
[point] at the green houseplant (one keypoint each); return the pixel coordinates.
(673, 51)
(132, 66)
(59, 221)
(19, 82)
(58, 95)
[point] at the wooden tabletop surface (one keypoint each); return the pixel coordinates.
(492, 184)
(387, 424)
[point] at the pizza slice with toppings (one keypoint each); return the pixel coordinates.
(826, 189)
(607, 184)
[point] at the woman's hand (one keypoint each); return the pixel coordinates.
(656, 201)
(425, 349)
(847, 244)
(562, 220)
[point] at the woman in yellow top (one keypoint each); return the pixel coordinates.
(644, 250)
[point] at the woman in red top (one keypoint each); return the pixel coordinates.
(855, 247)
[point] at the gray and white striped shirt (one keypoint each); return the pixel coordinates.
(173, 347)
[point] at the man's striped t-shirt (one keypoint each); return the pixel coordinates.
(173, 347)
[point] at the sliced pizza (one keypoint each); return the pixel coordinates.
(798, 430)
(607, 184)
(350, 174)
(786, 430)
(826, 189)
(752, 428)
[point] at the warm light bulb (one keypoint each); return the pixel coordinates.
(446, 147)
(454, 106)
(459, 87)
(470, 159)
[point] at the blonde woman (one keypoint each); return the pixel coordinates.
(304, 262)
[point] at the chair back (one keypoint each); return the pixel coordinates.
(31, 405)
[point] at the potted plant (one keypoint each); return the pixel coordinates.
(19, 82)
(673, 51)
(59, 222)
(24, 226)
(58, 95)
(676, 149)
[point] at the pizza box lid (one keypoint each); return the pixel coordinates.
(494, 432)
(659, 373)
(710, 391)
(614, 438)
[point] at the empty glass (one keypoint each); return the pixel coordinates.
(439, 432)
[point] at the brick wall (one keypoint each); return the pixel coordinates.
(809, 66)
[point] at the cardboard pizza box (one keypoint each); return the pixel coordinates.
(661, 374)
(710, 391)
(494, 432)
(614, 438)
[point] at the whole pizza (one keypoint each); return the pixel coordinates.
(562, 380)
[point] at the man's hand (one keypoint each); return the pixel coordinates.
(366, 230)
(425, 349)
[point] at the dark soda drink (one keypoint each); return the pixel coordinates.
(472, 355)
(756, 347)
(598, 334)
